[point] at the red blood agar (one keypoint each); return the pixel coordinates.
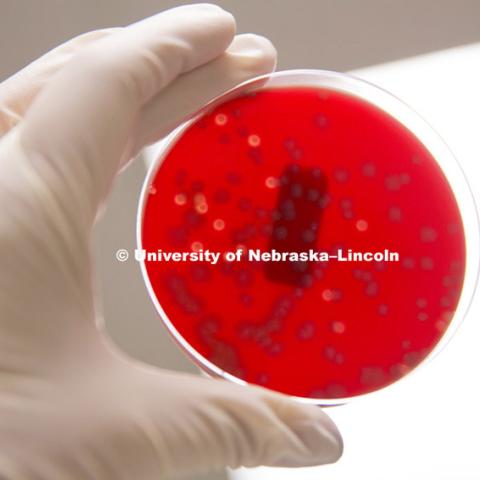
(291, 169)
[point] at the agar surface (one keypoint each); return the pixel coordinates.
(293, 169)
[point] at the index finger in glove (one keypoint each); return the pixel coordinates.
(83, 121)
(20, 90)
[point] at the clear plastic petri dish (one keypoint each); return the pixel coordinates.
(310, 233)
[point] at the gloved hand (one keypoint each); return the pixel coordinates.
(71, 405)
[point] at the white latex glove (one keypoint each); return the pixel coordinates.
(71, 405)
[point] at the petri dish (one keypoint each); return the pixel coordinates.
(355, 231)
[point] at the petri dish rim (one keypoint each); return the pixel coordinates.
(402, 113)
